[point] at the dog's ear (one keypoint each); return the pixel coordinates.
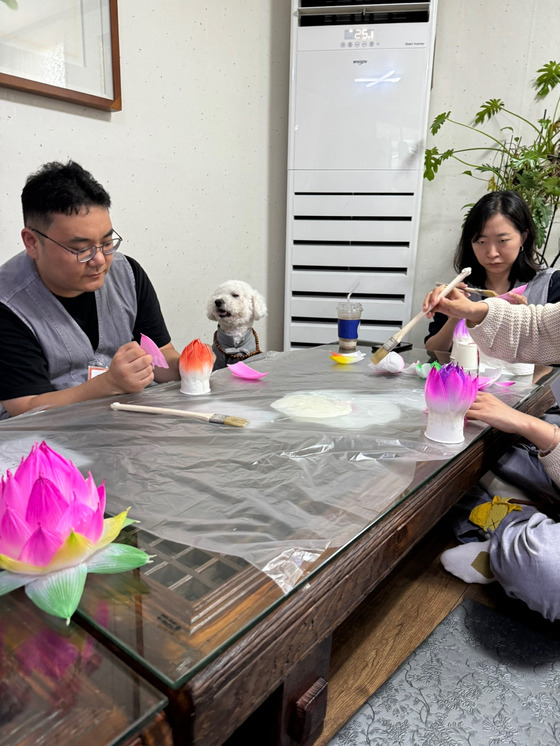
(259, 305)
(211, 309)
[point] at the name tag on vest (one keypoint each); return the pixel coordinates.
(95, 370)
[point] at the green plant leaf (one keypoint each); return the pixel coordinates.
(529, 166)
(439, 121)
(58, 593)
(548, 78)
(489, 109)
(433, 160)
(11, 4)
(552, 186)
(117, 558)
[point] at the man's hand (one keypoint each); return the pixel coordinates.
(130, 370)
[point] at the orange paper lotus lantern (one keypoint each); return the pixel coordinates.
(195, 366)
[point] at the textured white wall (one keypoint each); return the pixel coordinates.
(196, 161)
(483, 50)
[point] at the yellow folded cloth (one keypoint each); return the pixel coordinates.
(489, 515)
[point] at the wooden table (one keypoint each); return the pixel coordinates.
(236, 657)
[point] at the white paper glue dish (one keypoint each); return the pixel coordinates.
(311, 406)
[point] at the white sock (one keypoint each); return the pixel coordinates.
(469, 561)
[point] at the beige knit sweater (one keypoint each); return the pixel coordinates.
(524, 334)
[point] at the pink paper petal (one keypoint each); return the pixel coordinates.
(40, 548)
(243, 371)
(46, 505)
(12, 495)
(14, 532)
(483, 383)
(152, 349)
(519, 291)
(78, 517)
(44, 462)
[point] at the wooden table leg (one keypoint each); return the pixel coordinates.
(293, 715)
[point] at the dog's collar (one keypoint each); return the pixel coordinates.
(241, 355)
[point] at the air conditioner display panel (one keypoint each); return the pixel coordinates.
(359, 111)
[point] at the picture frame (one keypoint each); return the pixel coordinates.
(64, 49)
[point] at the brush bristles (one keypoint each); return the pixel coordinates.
(382, 352)
(235, 421)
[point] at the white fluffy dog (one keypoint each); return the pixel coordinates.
(235, 305)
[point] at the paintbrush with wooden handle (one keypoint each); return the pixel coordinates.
(481, 291)
(218, 419)
(393, 341)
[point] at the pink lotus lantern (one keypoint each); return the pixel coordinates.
(195, 366)
(449, 393)
(52, 532)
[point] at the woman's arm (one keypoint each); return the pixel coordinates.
(516, 333)
(544, 435)
(525, 334)
(443, 339)
(493, 411)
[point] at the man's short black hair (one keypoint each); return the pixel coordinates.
(63, 188)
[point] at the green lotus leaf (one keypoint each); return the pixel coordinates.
(9, 581)
(117, 558)
(59, 593)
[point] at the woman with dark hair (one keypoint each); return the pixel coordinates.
(521, 549)
(498, 243)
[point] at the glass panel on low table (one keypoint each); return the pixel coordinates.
(237, 519)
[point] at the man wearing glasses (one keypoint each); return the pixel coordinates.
(71, 306)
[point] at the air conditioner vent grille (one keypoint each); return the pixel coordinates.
(354, 19)
(369, 4)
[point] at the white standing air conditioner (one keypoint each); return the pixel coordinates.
(359, 94)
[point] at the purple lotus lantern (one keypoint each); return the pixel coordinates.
(449, 393)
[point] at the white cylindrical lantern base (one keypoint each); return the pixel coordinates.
(445, 427)
(195, 386)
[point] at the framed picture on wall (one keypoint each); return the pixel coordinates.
(64, 49)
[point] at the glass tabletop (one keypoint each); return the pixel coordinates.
(237, 519)
(60, 685)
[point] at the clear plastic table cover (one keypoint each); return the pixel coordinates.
(276, 493)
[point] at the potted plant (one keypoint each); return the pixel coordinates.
(528, 164)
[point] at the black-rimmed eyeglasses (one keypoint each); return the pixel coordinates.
(85, 255)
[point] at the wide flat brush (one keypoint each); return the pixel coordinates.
(481, 291)
(218, 419)
(393, 341)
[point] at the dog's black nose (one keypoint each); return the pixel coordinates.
(219, 302)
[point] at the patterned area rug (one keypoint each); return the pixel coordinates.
(480, 679)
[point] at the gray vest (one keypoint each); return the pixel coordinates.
(65, 345)
(537, 288)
